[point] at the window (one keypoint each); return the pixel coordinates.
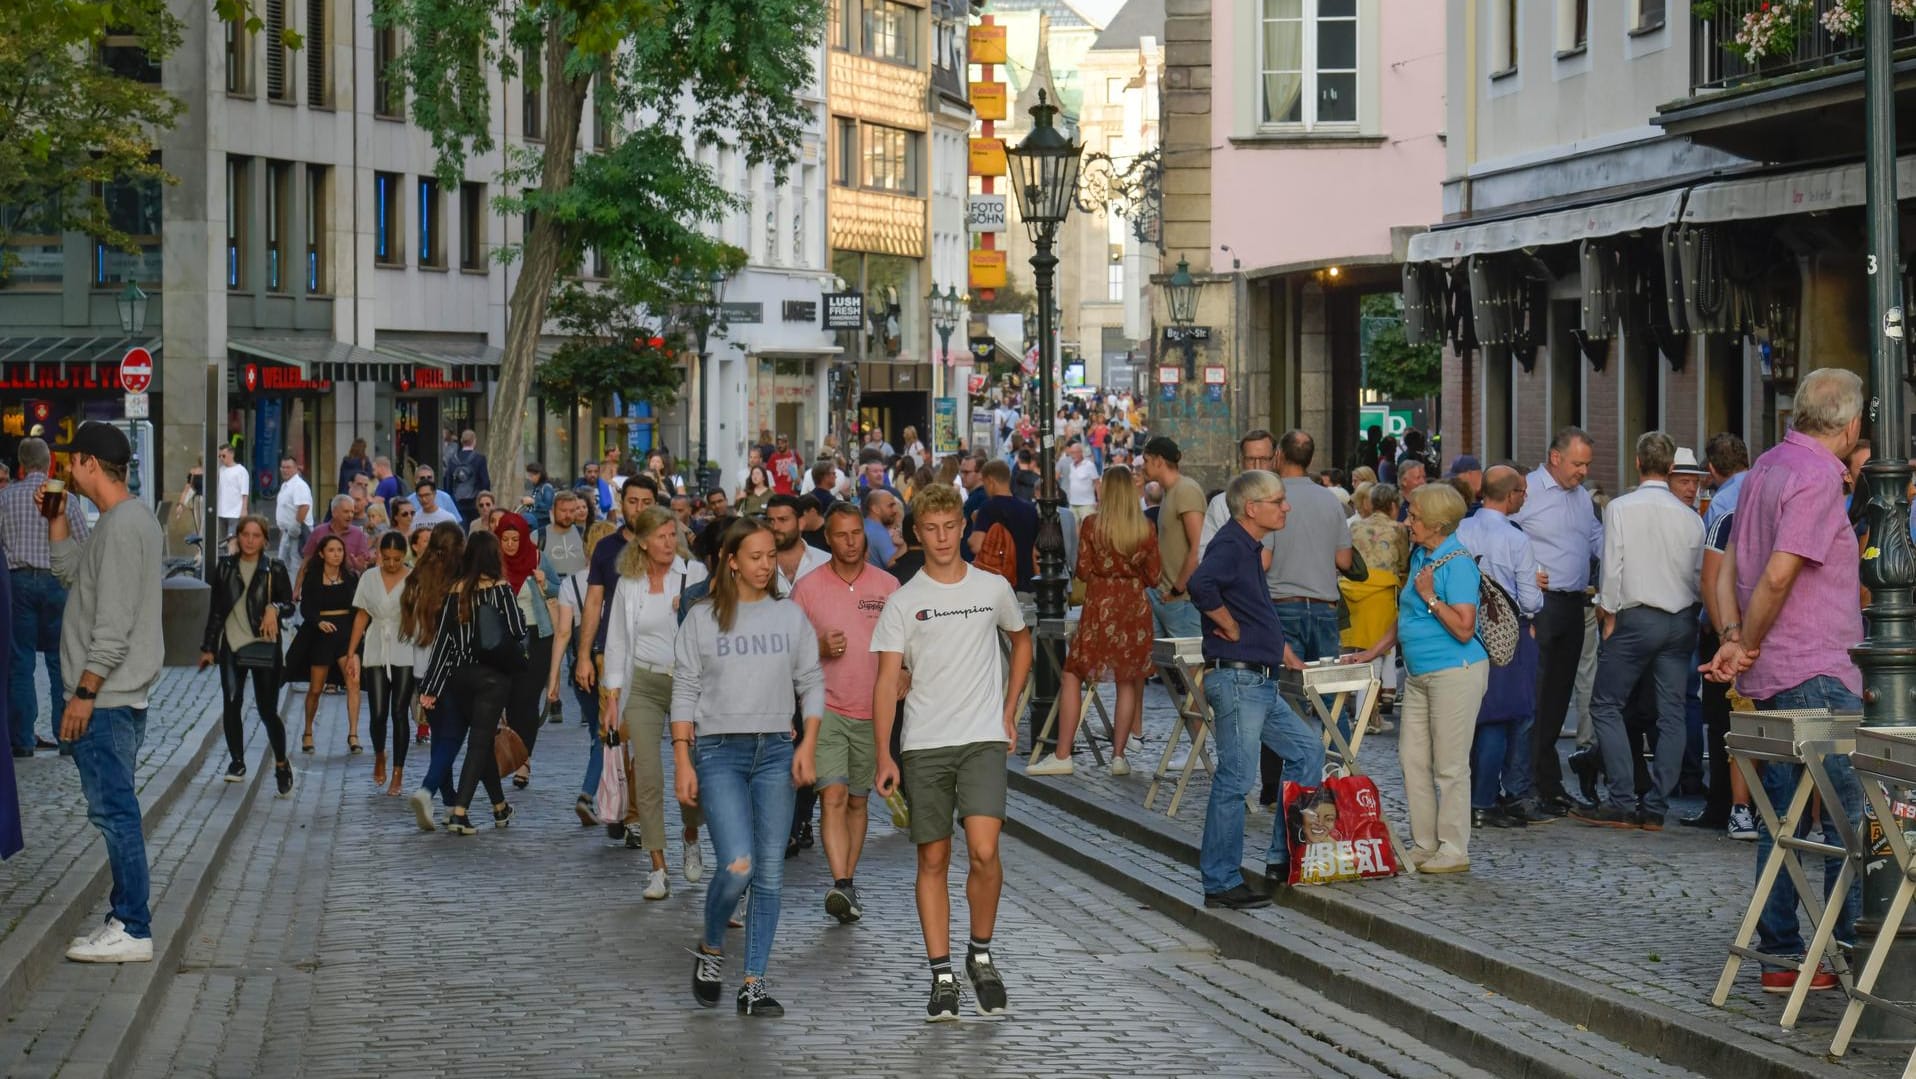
(601, 118)
(532, 83)
(279, 198)
(35, 256)
(600, 269)
(239, 59)
(1573, 26)
(388, 247)
(890, 31)
(388, 100)
(1504, 37)
(472, 227)
(278, 86)
(1308, 68)
(318, 71)
(1649, 14)
(891, 158)
(238, 201)
(316, 206)
(432, 242)
(133, 208)
(845, 173)
(844, 15)
(122, 54)
(1114, 282)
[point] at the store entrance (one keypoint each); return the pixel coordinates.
(415, 434)
(891, 413)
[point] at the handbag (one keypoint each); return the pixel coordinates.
(1497, 619)
(611, 800)
(258, 656)
(509, 750)
(493, 642)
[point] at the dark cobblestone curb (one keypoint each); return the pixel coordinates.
(1664, 1033)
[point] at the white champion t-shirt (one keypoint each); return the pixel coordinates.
(948, 634)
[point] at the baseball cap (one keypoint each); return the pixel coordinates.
(1686, 463)
(101, 440)
(1465, 463)
(1163, 448)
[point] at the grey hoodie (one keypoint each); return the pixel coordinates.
(745, 681)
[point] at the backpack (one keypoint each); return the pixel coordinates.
(493, 643)
(462, 477)
(1497, 622)
(999, 554)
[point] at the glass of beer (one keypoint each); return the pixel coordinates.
(53, 499)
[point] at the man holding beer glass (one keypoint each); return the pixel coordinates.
(38, 599)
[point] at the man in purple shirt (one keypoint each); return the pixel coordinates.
(359, 552)
(1795, 615)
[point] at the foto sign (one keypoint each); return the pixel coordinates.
(136, 370)
(985, 213)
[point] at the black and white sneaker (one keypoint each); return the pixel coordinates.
(986, 985)
(460, 824)
(838, 904)
(858, 905)
(706, 970)
(754, 1000)
(236, 771)
(282, 779)
(944, 1000)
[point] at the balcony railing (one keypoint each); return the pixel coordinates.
(1717, 61)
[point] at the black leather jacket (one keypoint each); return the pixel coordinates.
(226, 592)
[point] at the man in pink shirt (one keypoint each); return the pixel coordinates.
(844, 599)
(1794, 617)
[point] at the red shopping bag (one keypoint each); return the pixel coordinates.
(1337, 832)
(611, 805)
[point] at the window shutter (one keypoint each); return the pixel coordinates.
(275, 48)
(316, 52)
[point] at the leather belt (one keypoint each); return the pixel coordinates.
(1581, 599)
(1238, 665)
(336, 614)
(1303, 599)
(27, 569)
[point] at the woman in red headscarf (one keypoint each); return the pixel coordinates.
(536, 602)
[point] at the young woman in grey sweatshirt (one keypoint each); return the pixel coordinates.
(741, 658)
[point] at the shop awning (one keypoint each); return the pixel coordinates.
(71, 350)
(1779, 195)
(1543, 230)
(465, 357)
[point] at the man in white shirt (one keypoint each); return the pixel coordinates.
(293, 513)
(1647, 606)
(1080, 480)
(795, 557)
(432, 508)
(235, 484)
(425, 475)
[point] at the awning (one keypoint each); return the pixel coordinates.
(1779, 195)
(70, 350)
(1544, 230)
(319, 357)
(466, 358)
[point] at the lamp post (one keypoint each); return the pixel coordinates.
(1181, 296)
(132, 305)
(944, 317)
(1044, 175)
(706, 308)
(1887, 655)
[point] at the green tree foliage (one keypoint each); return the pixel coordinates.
(1396, 368)
(700, 72)
(74, 118)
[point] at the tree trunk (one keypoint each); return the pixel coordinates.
(545, 248)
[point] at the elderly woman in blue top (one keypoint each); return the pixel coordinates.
(1243, 649)
(1447, 671)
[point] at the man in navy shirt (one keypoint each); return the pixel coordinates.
(1000, 507)
(1243, 649)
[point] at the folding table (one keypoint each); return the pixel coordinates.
(1805, 738)
(1884, 757)
(1180, 662)
(1339, 682)
(1053, 632)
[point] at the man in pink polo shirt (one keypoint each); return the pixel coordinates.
(1794, 617)
(844, 599)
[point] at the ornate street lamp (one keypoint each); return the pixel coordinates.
(132, 305)
(708, 304)
(1181, 296)
(945, 308)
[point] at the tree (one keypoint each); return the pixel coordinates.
(1394, 367)
(700, 72)
(79, 114)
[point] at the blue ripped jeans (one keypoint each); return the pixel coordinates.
(745, 791)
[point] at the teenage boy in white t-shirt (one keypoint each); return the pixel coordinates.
(960, 722)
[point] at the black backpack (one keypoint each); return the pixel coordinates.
(463, 477)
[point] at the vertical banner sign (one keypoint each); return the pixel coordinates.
(988, 100)
(985, 47)
(944, 425)
(987, 269)
(986, 44)
(1214, 383)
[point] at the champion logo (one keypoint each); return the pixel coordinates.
(926, 614)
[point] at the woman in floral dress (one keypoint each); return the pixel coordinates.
(1117, 560)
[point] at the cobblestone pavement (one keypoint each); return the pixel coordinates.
(53, 811)
(338, 940)
(1646, 914)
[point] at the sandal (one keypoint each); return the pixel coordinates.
(306, 744)
(352, 744)
(522, 777)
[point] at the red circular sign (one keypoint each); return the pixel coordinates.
(136, 370)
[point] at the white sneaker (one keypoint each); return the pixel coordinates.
(110, 944)
(694, 862)
(655, 887)
(1742, 822)
(1446, 860)
(1120, 766)
(100, 932)
(1051, 766)
(1179, 762)
(421, 802)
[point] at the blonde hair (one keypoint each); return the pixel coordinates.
(1119, 518)
(1440, 506)
(634, 560)
(1360, 499)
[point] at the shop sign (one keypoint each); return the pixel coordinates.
(987, 157)
(844, 310)
(742, 314)
(988, 100)
(985, 213)
(800, 310)
(59, 376)
(987, 269)
(982, 349)
(432, 378)
(986, 44)
(258, 379)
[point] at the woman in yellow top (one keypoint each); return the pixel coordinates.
(1385, 548)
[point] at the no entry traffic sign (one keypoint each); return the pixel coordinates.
(136, 370)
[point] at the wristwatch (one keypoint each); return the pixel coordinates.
(81, 693)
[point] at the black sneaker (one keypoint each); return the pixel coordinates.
(460, 824)
(1495, 818)
(236, 771)
(753, 999)
(1277, 875)
(614, 830)
(1529, 812)
(944, 1000)
(633, 840)
(858, 905)
(706, 969)
(838, 904)
(1606, 816)
(986, 986)
(1238, 898)
(1649, 822)
(283, 779)
(502, 814)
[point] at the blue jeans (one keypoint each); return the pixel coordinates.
(1176, 618)
(745, 789)
(1247, 713)
(1779, 931)
(1500, 762)
(38, 602)
(106, 756)
(448, 734)
(1311, 630)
